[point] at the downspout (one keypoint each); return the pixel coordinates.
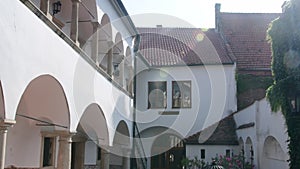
(135, 50)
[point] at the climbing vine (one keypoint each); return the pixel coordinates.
(284, 35)
(250, 84)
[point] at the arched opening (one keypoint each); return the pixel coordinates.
(2, 108)
(273, 154)
(92, 136)
(164, 148)
(105, 44)
(120, 151)
(249, 152)
(272, 149)
(118, 59)
(87, 14)
(167, 152)
(42, 113)
(241, 146)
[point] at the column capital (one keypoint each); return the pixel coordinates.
(6, 123)
(96, 24)
(76, 1)
(78, 138)
(65, 135)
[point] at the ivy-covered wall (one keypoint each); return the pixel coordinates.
(251, 88)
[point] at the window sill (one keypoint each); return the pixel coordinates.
(168, 112)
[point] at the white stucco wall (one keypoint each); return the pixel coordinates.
(29, 49)
(213, 97)
(267, 123)
(211, 151)
(117, 21)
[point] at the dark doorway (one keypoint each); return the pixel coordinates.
(170, 159)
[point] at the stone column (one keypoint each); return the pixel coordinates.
(105, 158)
(122, 71)
(4, 125)
(44, 6)
(74, 21)
(64, 152)
(110, 61)
(126, 159)
(130, 80)
(95, 42)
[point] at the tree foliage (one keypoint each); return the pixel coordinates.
(284, 35)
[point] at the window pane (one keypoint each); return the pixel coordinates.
(157, 94)
(202, 153)
(227, 153)
(181, 94)
(48, 151)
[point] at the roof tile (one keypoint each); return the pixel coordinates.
(182, 46)
(246, 34)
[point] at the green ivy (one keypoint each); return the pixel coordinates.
(247, 82)
(284, 35)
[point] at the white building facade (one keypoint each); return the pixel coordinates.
(177, 94)
(264, 133)
(66, 84)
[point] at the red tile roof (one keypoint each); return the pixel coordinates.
(182, 46)
(246, 34)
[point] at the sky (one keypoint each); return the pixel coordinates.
(192, 13)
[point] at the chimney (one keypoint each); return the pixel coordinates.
(283, 6)
(217, 16)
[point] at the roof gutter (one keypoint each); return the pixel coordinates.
(121, 10)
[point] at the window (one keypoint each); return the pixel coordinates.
(48, 151)
(98, 154)
(181, 94)
(202, 154)
(157, 95)
(227, 153)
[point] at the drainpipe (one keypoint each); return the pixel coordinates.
(135, 50)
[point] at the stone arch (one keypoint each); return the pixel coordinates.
(92, 133)
(122, 134)
(2, 107)
(44, 97)
(241, 146)
(273, 155)
(272, 149)
(165, 142)
(151, 139)
(105, 41)
(167, 148)
(248, 150)
(120, 151)
(43, 108)
(93, 124)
